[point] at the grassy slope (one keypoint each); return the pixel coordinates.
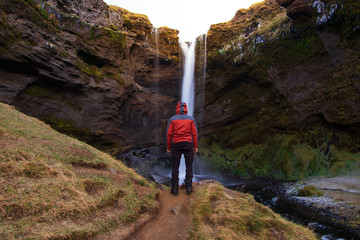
(56, 187)
(219, 213)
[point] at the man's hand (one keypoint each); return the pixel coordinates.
(196, 150)
(168, 150)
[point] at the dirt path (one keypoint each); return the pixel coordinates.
(172, 221)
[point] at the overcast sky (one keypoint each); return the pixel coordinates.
(191, 17)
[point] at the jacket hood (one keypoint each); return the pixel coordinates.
(181, 108)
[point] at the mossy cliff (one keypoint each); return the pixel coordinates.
(281, 92)
(95, 71)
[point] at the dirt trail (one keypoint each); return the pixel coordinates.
(167, 224)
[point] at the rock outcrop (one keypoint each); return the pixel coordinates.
(282, 80)
(281, 66)
(98, 72)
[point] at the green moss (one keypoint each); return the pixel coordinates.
(274, 26)
(91, 70)
(10, 36)
(44, 92)
(117, 37)
(117, 77)
(127, 23)
(37, 14)
(93, 34)
(309, 191)
(69, 128)
(286, 52)
(64, 53)
(311, 152)
(348, 17)
(38, 91)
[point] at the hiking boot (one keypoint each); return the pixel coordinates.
(188, 185)
(174, 187)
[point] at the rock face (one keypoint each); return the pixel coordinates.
(279, 96)
(281, 66)
(88, 69)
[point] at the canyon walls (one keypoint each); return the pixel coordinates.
(277, 87)
(282, 86)
(97, 72)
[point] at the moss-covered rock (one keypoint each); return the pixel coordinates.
(283, 68)
(311, 152)
(309, 191)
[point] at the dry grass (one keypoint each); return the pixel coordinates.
(56, 187)
(127, 15)
(219, 213)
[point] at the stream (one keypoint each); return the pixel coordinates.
(154, 164)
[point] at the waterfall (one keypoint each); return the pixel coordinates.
(205, 57)
(157, 132)
(156, 40)
(188, 91)
(200, 166)
(188, 85)
(200, 78)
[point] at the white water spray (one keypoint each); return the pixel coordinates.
(188, 91)
(188, 85)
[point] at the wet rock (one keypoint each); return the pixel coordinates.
(331, 209)
(153, 163)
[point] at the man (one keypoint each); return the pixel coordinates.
(181, 139)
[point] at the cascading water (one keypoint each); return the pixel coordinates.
(156, 89)
(188, 86)
(188, 91)
(201, 170)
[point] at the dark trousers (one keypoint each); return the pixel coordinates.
(177, 149)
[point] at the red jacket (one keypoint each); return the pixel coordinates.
(181, 127)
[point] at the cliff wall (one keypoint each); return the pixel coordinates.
(281, 74)
(90, 70)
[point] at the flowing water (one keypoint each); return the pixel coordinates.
(187, 91)
(200, 76)
(156, 87)
(188, 85)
